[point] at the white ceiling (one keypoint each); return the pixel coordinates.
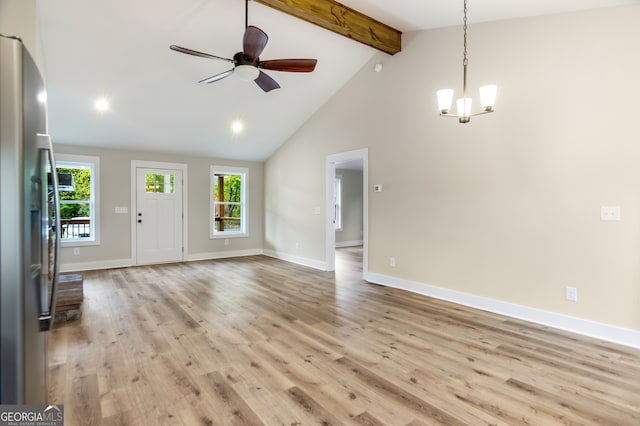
(119, 49)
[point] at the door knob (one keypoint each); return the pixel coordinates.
(139, 220)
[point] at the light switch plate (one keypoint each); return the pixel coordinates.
(610, 213)
(122, 210)
(377, 188)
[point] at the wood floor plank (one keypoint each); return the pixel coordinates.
(255, 340)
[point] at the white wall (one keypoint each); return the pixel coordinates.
(506, 207)
(19, 18)
(115, 190)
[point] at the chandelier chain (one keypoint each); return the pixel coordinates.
(465, 61)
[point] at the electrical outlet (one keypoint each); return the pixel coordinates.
(392, 262)
(226, 242)
(571, 294)
(76, 251)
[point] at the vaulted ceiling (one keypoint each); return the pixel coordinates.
(119, 50)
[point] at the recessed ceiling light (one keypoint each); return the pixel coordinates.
(237, 126)
(102, 104)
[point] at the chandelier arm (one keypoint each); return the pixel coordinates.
(481, 113)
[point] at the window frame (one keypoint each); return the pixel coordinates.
(243, 172)
(93, 163)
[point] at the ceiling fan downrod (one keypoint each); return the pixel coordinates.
(246, 14)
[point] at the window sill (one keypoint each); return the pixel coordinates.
(230, 235)
(78, 243)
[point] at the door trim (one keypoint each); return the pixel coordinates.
(330, 233)
(135, 164)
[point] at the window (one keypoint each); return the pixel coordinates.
(160, 183)
(78, 189)
(337, 203)
(229, 202)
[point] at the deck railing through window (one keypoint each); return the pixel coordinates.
(227, 223)
(76, 228)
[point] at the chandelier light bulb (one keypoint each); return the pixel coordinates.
(445, 98)
(488, 96)
(464, 109)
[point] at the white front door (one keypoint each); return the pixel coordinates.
(158, 215)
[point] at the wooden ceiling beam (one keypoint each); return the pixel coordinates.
(336, 17)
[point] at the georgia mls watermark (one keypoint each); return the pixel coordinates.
(32, 415)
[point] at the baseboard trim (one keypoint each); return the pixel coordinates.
(91, 266)
(623, 336)
(348, 243)
(316, 264)
(123, 263)
(221, 255)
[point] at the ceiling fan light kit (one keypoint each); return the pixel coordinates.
(487, 93)
(247, 65)
(246, 72)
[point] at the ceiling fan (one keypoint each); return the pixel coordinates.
(247, 64)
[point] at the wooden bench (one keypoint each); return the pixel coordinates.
(70, 295)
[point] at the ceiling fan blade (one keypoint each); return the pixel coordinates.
(290, 65)
(196, 53)
(254, 41)
(217, 77)
(266, 83)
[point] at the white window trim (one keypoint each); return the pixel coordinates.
(244, 202)
(63, 160)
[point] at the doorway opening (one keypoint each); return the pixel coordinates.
(347, 213)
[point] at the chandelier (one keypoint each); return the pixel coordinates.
(487, 93)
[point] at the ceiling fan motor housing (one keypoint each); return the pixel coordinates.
(241, 59)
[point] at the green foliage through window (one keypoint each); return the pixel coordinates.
(81, 194)
(160, 183)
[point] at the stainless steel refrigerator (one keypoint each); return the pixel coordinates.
(29, 226)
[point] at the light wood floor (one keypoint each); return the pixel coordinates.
(258, 341)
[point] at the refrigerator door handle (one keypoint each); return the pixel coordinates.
(48, 314)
